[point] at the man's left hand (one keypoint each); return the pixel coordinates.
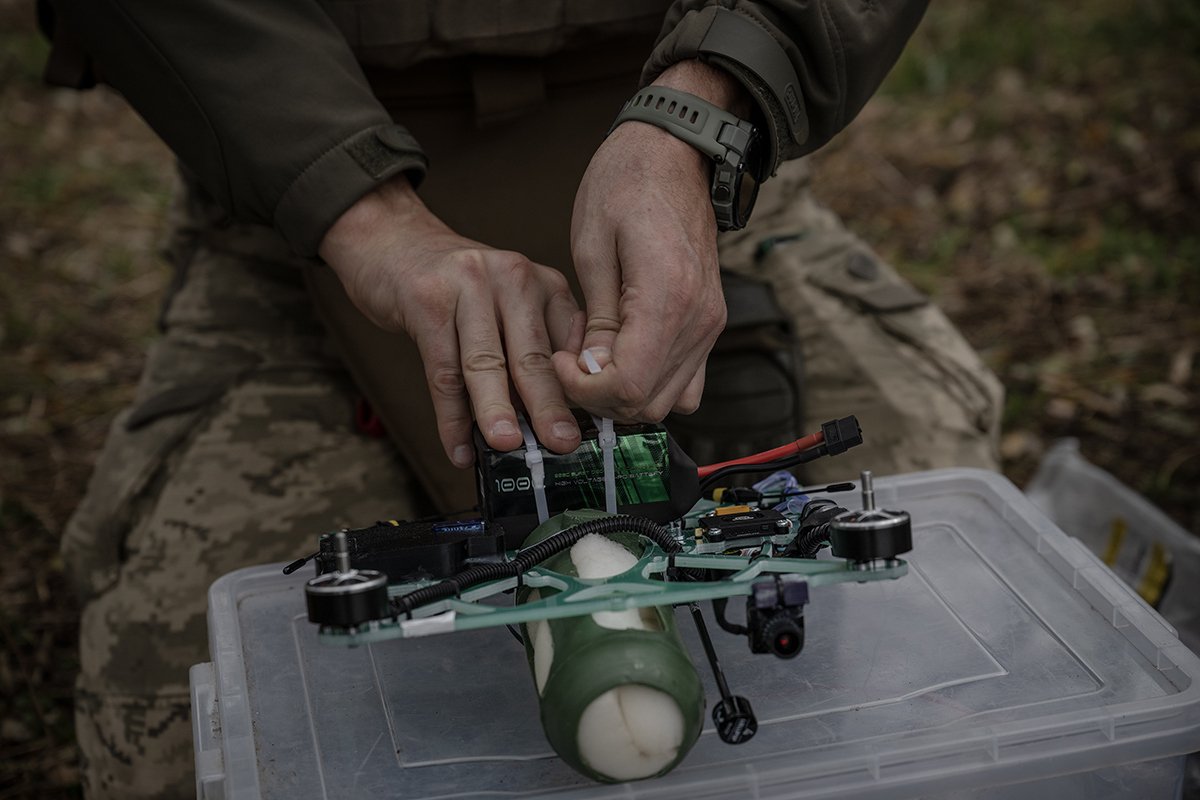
(644, 242)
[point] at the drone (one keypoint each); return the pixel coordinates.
(585, 555)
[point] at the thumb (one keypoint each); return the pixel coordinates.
(602, 299)
(598, 339)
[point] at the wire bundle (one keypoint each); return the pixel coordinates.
(799, 452)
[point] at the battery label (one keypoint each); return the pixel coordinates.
(576, 480)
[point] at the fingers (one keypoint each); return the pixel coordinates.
(689, 401)
(485, 369)
(681, 394)
(657, 362)
(564, 319)
(525, 317)
(507, 313)
(631, 350)
(600, 277)
(443, 372)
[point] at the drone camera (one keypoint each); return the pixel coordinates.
(775, 616)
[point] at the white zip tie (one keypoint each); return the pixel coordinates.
(592, 364)
(537, 469)
(608, 443)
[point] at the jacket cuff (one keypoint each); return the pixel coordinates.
(750, 54)
(339, 177)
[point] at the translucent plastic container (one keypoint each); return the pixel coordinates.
(1009, 662)
(1126, 530)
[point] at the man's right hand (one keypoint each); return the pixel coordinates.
(466, 306)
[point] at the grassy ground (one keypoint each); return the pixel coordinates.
(1034, 166)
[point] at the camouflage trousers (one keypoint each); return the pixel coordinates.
(241, 444)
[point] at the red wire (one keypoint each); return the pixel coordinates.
(774, 454)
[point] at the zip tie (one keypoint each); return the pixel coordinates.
(537, 470)
(608, 443)
(592, 364)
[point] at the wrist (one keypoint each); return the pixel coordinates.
(703, 108)
(384, 206)
(708, 83)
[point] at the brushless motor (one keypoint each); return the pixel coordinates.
(620, 698)
(346, 597)
(871, 534)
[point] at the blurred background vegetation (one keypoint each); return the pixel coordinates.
(1034, 166)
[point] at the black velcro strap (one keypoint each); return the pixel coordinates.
(375, 150)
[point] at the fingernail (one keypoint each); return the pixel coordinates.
(464, 454)
(504, 428)
(564, 430)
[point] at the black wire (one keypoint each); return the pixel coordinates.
(746, 494)
(770, 466)
(813, 534)
(532, 556)
(832, 488)
(299, 562)
(718, 607)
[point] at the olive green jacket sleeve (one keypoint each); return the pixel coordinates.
(261, 99)
(811, 65)
(264, 101)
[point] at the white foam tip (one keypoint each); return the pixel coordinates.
(630, 732)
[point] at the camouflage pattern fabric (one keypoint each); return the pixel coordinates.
(240, 445)
(239, 449)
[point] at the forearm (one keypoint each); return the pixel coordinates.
(261, 99)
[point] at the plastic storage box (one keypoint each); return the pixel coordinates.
(1127, 530)
(1009, 662)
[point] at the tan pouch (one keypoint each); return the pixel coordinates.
(873, 345)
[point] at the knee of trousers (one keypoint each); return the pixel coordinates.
(871, 345)
(251, 477)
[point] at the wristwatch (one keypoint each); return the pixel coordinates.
(737, 150)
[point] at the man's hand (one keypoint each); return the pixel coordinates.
(644, 242)
(476, 314)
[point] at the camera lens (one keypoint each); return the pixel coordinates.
(784, 636)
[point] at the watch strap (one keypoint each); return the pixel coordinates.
(713, 131)
(685, 116)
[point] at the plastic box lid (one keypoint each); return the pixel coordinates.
(1008, 653)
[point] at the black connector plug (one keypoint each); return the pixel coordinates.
(842, 434)
(734, 495)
